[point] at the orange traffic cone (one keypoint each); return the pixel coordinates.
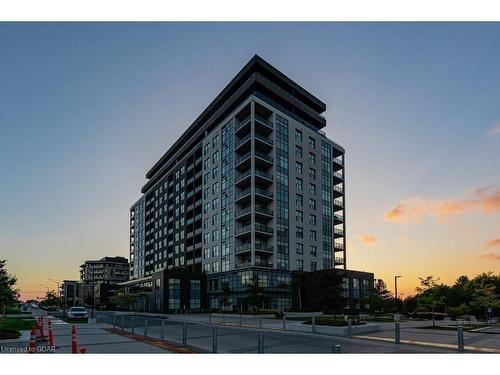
(31, 349)
(51, 336)
(73, 340)
(42, 334)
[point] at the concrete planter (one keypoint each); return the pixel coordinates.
(334, 331)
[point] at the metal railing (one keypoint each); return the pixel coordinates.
(264, 139)
(242, 140)
(243, 229)
(242, 193)
(264, 192)
(242, 176)
(264, 210)
(243, 157)
(264, 121)
(263, 156)
(263, 174)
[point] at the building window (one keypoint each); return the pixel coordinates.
(205, 223)
(298, 135)
(299, 232)
(206, 238)
(312, 173)
(206, 193)
(215, 141)
(300, 265)
(206, 253)
(225, 265)
(299, 183)
(215, 172)
(312, 158)
(215, 235)
(214, 219)
(300, 248)
(313, 266)
(312, 204)
(206, 208)
(207, 163)
(195, 294)
(312, 189)
(174, 294)
(313, 251)
(312, 235)
(215, 267)
(206, 149)
(312, 219)
(215, 157)
(299, 200)
(215, 188)
(215, 203)
(299, 216)
(312, 142)
(298, 167)
(298, 151)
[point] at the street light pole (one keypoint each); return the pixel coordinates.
(396, 290)
(93, 293)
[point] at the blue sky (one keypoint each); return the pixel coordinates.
(86, 109)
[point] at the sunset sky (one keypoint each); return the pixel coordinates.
(86, 109)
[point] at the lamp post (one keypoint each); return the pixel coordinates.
(396, 290)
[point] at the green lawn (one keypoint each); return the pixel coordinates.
(10, 327)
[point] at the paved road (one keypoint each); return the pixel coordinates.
(234, 339)
(92, 337)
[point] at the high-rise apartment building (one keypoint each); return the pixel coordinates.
(253, 188)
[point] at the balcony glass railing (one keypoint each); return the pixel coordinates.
(244, 247)
(242, 123)
(338, 202)
(338, 245)
(242, 193)
(263, 264)
(242, 176)
(338, 161)
(242, 140)
(339, 260)
(264, 247)
(263, 156)
(263, 174)
(339, 217)
(244, 229)
(338, 175)
(264, 121)
(263, 228)
(264, 210)
(264, 139)
(242, 158)
(242, 212)
(339, 232)
(264, 192)
(338, 189)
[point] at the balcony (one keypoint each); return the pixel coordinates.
(263, 122)
(265, 194)
(338, 177)
(242, 195)
(338, 203)
(338, 246)
(337, 164)
(264, 247)
(338, 217)
(266, 142)
(243, 161)
(242, 178)
(264, 264)
(242, 124)
(264, 211)
(338, 232)
(338, 191)
(243, 248)
(338, 260)
(243, 230)
(263, 177)
(244, 213)
(263, 160)
(242, 142)
(263, 229)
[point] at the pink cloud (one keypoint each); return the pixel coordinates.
(368, 240)
(492, 243)
(414, 209)
(490, 256)
(495, 130)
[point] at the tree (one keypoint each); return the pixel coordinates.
(8, 292)
(429, 296)
(327, 291)
(484, 297)
(382, 297)
(225, 295)
(51, 299)
(255, 292)
(123, 300)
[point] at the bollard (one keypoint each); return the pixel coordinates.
(284, 322)
(460, 332)
(51, 336)
(241, 321)
(133, 325)
(184, 333)
(31, 348)
(260, 343)
(42, 334)
(349, 328)
(223, 318)
(214, 340)
(210, 318)
(123, 323)
(397, 333)
(336, 348)
(260, 321)
(114, 320)
(313, 326)
(73, 340)
(162, 333)
(145, 328)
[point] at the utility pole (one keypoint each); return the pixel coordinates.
(93, 292)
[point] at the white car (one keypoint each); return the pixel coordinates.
(77, 313)
(34, 306)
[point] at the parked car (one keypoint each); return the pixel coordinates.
(77, 312)
(34, 306)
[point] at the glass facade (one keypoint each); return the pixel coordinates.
(174, 294)
(282, 193)
(326, 204)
